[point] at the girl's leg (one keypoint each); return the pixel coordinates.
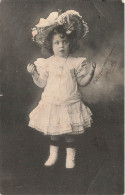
(53, 153)
(70, 138)
(55, 137)
(70, 151)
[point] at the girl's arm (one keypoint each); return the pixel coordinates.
(36, 78)
(83, 81)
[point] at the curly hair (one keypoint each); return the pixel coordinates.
(73, 42)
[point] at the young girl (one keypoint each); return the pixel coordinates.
(60, 111)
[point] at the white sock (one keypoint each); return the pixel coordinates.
(70, 157)
(53, 156)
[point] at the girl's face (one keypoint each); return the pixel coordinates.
(60, 45)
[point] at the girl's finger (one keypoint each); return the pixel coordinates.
(28, 68)
(32, 69)
(93, 64)
(29, 65)
(83, 64)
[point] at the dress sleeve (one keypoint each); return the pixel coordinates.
(81, 67)
(41, 78)
(40, 64)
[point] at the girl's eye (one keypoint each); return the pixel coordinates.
(65, 41)
(57, 42)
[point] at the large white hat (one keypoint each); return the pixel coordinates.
(70, 20)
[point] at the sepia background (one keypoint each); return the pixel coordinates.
(99, 167)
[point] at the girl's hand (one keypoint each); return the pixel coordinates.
(81, 67)
(92, 68)
(31, 68)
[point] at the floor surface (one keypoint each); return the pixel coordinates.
(99, 163)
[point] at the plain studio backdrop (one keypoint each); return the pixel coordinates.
(23, 150)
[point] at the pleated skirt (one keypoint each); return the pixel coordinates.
(51, 119)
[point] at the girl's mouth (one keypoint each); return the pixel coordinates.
(61, 50)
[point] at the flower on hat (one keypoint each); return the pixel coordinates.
(49, 21)
(53, 17)
(43, 23)
(34, 32)
(72, 20)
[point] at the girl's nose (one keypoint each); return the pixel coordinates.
(61, 44)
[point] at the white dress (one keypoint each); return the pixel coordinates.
(60, 110)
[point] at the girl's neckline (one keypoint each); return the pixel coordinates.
(60, 60)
